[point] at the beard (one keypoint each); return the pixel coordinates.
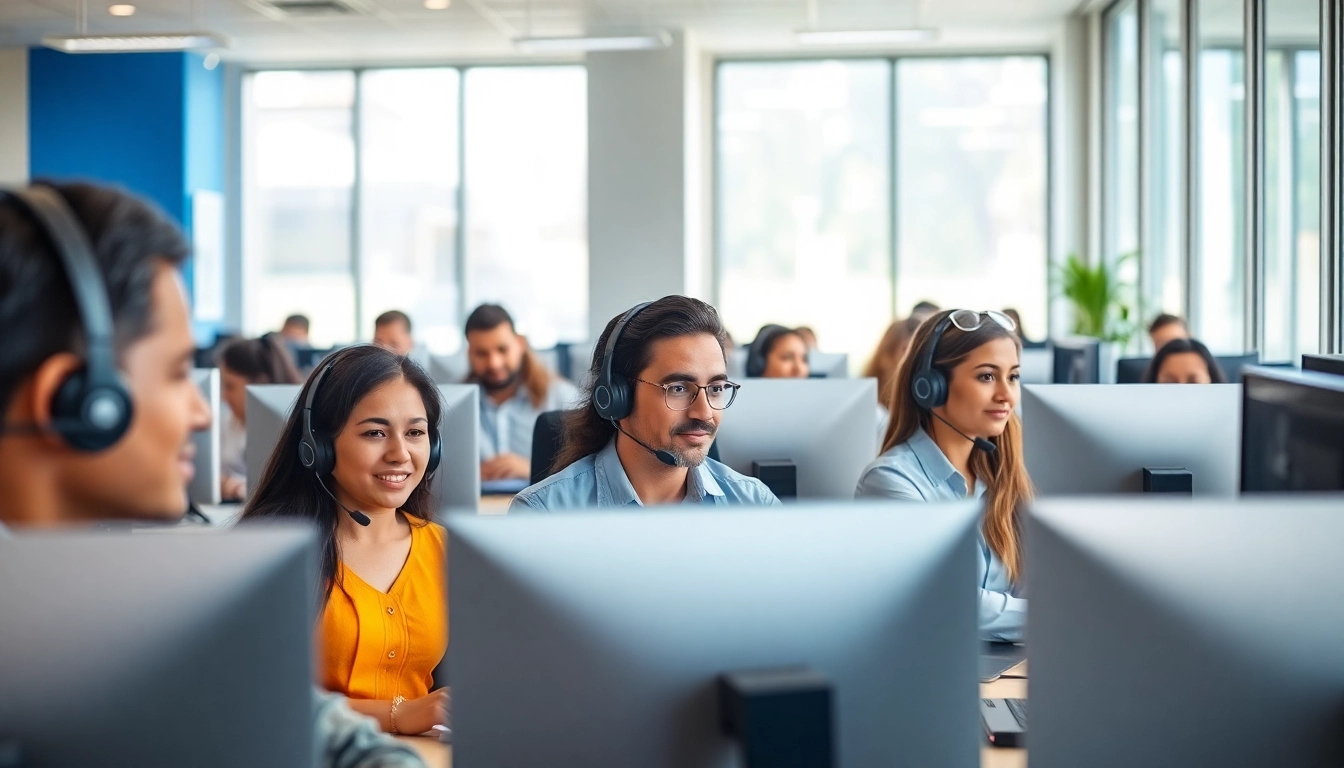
(495, 385)
(692, 457)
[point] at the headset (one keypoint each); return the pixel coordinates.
(92, 408)
(613, 397)
(319, 453)
(929, 385)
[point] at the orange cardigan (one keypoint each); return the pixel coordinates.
(378, 645)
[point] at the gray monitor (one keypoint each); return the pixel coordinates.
(1099, 439)
(827, 427)
(594, 639)
(1292, 437)
(828, 365)
(456, 485)
(174, 649)
(449, 369)
(1324, 364)
(1186, 634)
(204, 486)
(737, 363)
(1038, 365)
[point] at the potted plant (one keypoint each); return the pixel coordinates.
(1101, 309)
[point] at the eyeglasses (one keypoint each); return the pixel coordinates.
(681, 395)
(968, 320)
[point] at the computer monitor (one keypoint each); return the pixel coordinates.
(1324, 364)
(173, 649)
(1038, 365)
(457, 483)
(737, 363)
(1293, 439)
(1186, 634)
(826, 427)
(1099, 439)
(449, 369)
(1076, 361)
(827, 365)
(597, 638)
(1130, 370)
(204, 487)
(307, 358)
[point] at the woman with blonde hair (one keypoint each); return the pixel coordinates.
(954, 434)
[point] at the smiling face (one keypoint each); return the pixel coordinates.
(984, 389)
(682, 361)
(787, 358)
(382, 451)
(146, 473)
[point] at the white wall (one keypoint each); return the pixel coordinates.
(14, 116)
(646, 178)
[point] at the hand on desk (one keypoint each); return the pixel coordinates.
(232, 488)
(505, 466)
(422, 714)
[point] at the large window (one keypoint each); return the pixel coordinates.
(1120, 142)
(527, 192)
(300, 176)
(971, 180)
(346, 218)
(806, 176)
(804, 199)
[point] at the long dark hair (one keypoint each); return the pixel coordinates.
(758, 352)
(1182, 346)
(289, 490)
(1004, 472)
(262, 360)
(583, 432)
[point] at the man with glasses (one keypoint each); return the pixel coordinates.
(655, 395)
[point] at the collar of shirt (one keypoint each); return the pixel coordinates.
(936, 467)
(614, 488)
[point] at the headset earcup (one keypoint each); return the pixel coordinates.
(435, 452)
(929, 389)
(325, 454)
(621, 405)
(91, 418)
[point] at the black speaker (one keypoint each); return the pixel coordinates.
(782, 718)
(1168, 480)
(779, 475)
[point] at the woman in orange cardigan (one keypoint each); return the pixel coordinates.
(355, 458)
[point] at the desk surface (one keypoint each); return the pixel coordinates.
(441, 755)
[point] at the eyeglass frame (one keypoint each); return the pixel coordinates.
(1005, 322)
(733, 386)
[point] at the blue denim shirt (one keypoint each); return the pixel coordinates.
(599, 480)
(507, 427)
(917, 470)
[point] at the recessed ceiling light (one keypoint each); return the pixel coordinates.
(650, 42)
(438, 5)
(864, 36)
(171, 41)
(121, 10)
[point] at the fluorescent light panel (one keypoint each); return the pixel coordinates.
(174, 41)
(649, 42)
(863, 36)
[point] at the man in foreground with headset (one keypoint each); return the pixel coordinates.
(640, 436)
(96, 388)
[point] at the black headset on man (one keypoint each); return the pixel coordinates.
(92, 408)
(614, 396)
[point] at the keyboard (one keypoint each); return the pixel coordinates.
(1005, 721)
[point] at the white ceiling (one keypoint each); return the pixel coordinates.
(392, 31)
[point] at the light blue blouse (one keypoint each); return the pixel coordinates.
(917, 470)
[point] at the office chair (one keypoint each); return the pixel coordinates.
(546, 444)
